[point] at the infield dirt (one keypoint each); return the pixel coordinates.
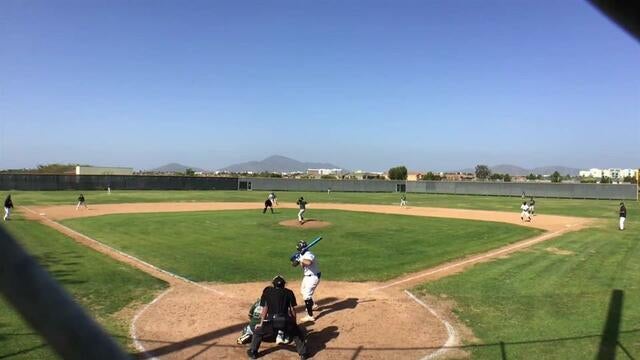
(354, 320)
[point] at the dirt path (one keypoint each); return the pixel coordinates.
(356, 320)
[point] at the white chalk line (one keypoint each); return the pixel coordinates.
(132, 328)
(131, 257)
(452, 336)
(473, 259)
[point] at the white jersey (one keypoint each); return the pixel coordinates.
(524, 207)
(311, 269)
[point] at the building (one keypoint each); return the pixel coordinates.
(103, 170)
(318, 173)
(458, 176)
(414, 176)
(613, 173)
(365, 175)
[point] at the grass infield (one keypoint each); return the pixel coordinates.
(241, 246)
(102, 285)
(571, 207)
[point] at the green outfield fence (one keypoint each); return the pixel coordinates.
(37, 182)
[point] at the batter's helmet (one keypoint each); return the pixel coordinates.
(301, 245)
(278, 281)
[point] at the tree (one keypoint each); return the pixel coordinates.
(630, 179)
(482, 172)
(398, 173)
(556, 177)
(531, 176)
(431, 176)
(189, 172)
(605, 180)
(506, 178)
(496, 176)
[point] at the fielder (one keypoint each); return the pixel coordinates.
(81, 202)
(8, 205)
(268, 204)
(310, 280)
(302, 203)
(403, 200)
(532, 206)
(623, 215)
(524, 215)
(274, 199)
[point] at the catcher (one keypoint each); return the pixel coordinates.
(254, 318)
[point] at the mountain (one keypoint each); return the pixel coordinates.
(174, 168)
(277, 163)
(517, 170)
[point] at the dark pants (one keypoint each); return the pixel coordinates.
(291, 329)
(267, 204)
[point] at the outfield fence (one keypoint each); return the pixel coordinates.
(121, 182)
(36, 182)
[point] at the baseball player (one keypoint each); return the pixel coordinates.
(268, 204)
(623, 215)
(81, 202)
(302, 203)
(403, 200)
(278, 313)
(532, 206)
(524, 215)
(8, 205)
(310, 279)
(274, 199)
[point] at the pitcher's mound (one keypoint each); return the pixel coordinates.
(307, 224)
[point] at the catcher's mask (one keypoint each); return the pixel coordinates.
(278, 281)
(301, 245)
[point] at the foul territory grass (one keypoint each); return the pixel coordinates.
(550, 302)
(571, 207)
(103, 286)
(240, 246)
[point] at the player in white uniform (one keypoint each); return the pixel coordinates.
(310, 280)
(524, 215)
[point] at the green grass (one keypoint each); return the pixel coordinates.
(103, 286)
(240, 246)
(572, 207)
(549, 306)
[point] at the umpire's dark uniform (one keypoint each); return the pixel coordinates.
(278, 312)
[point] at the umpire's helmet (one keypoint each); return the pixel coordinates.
(301, 245)
(278, 281)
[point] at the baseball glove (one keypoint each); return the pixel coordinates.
(295, 263)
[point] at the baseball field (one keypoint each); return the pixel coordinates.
(480, 283)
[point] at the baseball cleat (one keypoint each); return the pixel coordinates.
(308, 318)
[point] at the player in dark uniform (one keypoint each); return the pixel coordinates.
(278, 313)
(532, 206)
(8, 205)
(268, 204)
(623, 215)
(81, 202)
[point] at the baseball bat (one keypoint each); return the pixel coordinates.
(305, 249)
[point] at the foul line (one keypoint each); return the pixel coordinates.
(473, 259)
(452, 338)
(131, 257)
(132, 328)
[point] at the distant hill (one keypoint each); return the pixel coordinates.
(277, 163)
(174, 167)
(517, 170)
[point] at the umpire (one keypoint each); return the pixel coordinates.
(278, 313)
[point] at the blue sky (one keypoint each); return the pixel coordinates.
(363, 84)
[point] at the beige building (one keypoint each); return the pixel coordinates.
(103, 170)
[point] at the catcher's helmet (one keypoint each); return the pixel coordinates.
(301, 245)
(278, 281)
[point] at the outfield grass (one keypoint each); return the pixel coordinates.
(241, 246)
(103, 286)
(544, 305)
(572, 207)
